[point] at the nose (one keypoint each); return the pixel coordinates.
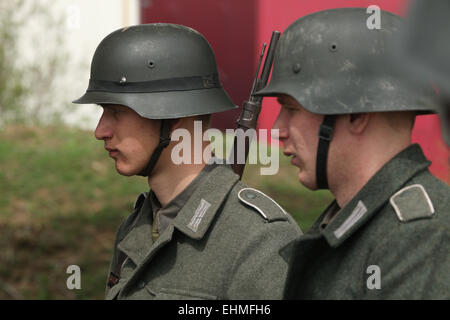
(104, 128)
(280, 124)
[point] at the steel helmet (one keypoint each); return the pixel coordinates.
(160, 70)
(332, 63)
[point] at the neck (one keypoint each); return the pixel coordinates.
(169, 179)
(362, 169)
(168, 185)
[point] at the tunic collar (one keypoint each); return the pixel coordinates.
(168, 213)
(199, 205)
(373, 196)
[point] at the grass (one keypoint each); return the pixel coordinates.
(61, 202)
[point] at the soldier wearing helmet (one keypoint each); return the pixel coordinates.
(423, 52)
(199, 232)
(346, 120)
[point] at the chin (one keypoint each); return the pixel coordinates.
(307, 183)
(125, 171)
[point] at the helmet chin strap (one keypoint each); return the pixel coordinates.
(325, 135)
(164, 140)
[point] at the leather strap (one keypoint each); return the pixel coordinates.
(325, 135)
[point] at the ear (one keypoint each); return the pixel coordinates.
(357, 122)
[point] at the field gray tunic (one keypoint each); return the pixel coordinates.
(223, 243)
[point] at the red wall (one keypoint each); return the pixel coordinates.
(236, 29)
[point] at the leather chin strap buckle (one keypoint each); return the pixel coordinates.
(164, 141)
(326, 132)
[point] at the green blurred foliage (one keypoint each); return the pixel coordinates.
(27, 79)
(61, 202)
(12, 89)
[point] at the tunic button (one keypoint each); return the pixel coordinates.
(250, 195)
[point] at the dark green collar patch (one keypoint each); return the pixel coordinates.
(263, 204)
(412, 202)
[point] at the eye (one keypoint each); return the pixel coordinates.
(112, 111)
(289, 108)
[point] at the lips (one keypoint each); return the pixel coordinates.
(112, 152)
(294, 159)
(288, 153)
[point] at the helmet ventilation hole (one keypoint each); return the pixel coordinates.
(333, 47)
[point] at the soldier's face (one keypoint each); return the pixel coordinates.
(129, 138)
(298, 131)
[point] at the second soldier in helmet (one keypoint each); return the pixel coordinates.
(346, 120)
(423, 50)
(199, 232)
